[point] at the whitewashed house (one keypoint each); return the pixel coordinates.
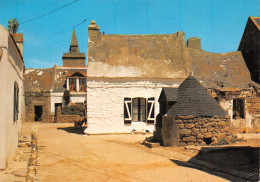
(126, 74)
(11, 93)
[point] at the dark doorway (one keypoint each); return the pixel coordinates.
(37, 113)
(56, 108)
(238, 108)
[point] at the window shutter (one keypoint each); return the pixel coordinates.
(17, 101)
(14, 104)
(150, 110)
(127, 110)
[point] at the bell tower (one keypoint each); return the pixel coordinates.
(74, 58)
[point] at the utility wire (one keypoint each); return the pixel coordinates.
(73, 27)
(48, 13)
(80, 23)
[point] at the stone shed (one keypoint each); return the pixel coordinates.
(196, 118)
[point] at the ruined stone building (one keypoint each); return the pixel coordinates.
(44, 88)
(12, 101)
(126, 74)
(250, 47)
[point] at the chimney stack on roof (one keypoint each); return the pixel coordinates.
(93, 30)
(194, 42)
(18, 37)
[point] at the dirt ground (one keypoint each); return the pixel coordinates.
(67, 155)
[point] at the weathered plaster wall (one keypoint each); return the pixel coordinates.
(105, 98)
(251, 110)
(11, 70)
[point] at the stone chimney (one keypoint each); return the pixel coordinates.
(194, 42)
(93, 30)
(18, 37)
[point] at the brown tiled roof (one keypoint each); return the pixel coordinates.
(152, 56)
(44, 80)
(38, 80)
(18, 37)
(211, 68)
(60, 77)
(76, 73)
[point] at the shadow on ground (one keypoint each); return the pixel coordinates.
(242, 162)
(72, 129)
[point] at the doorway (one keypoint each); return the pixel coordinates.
(37, 113)
(56, 108)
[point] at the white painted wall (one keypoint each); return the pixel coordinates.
(9, 73)
(105, 104)
(74, 96)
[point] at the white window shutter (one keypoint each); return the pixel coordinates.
(127, 110)
(150, 110)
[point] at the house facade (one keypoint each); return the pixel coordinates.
(44, 88)
(126, 74)
(12, 100)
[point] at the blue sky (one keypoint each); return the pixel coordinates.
(219, 23)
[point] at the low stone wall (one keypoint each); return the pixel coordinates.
(67, 118)
(194, 130)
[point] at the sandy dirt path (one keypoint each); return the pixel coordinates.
(65, 155)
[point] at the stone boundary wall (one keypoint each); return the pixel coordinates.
(195, 130)
(67, 118)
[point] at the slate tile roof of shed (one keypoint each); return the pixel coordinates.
(169, 94)
(193, 99)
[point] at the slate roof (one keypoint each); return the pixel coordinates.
(256, 21)
(193, 99)
(168, 94)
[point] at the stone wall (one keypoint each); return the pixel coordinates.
(37, 99)
(67, 118)
(195, 130)
(253, 109)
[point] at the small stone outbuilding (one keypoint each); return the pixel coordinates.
(195, 119)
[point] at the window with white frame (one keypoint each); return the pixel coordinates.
(139, 110)
(76, 84)
(72, 84)
(82, 84)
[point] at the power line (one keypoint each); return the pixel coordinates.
(73, 27)
(48, 12)
(80, 23)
